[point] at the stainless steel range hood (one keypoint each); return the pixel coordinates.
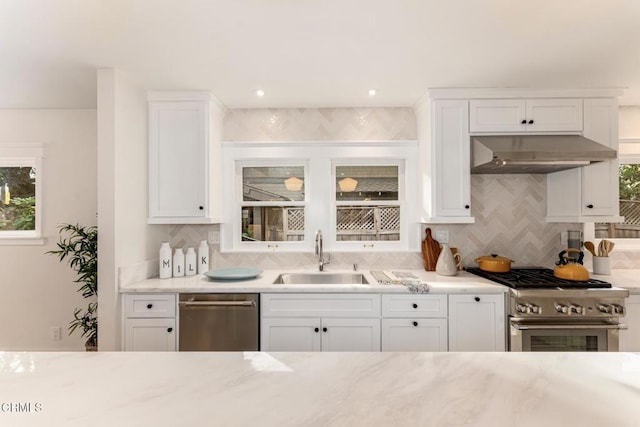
(534, 153)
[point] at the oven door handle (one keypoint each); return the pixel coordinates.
(522, 327)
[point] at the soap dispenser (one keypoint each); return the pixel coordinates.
(446, 265)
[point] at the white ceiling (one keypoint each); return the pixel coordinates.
(314, 53)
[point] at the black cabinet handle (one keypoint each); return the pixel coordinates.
(324, 329)
(523, 122)
(531, 121)
(477, 299)
(169, 329)
(466, 206)
(149, 306)
(415, 323)
(414, 305)
(590, 206)
(316, 329)
(201, 207)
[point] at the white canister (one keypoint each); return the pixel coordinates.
(602, 265)
(446, 264)
(165, 261)
(178, 263)
(203, 257)
(190, 266)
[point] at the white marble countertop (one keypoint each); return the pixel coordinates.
(463, 282)
(319, 389)
(623, 278)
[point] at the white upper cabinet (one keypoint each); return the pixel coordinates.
(590, 193)
(443, 133)
(525, 115)
(184, 158)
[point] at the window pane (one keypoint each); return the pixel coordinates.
(365, 183)
(629, 207)
(17, 198)
(368, 223)
(273, 184)
(272, 223)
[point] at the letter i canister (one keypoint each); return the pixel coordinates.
(165, 261)
(203, 257)
(178, 263)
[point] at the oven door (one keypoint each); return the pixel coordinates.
(563, 336)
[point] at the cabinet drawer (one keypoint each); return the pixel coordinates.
(320, 305)
(413, 305)
(150, 305)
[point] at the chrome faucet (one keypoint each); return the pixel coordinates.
(320, 252)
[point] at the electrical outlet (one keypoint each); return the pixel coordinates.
(56, 333)
(442, 236)
(214, 237)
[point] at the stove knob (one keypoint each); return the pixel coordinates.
(578, 309)
(521, 308)
(534, 309)
(561, 308)
(618, 309)
(605, 308)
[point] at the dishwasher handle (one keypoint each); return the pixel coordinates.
(217, 303)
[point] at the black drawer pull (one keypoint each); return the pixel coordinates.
(169, 329)
(316, 329)
(531, 121)
(466, 206)
(477, 299)
(415, 305)
(590, 206)
(324, 329)
(149, 306)
(523, 121)
(415, 323)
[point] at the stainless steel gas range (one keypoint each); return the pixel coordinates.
(550, 314)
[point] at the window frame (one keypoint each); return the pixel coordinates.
(628, 153)
(319, 157)
(25, 155)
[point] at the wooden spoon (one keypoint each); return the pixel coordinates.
(608, 246)
(590, 247)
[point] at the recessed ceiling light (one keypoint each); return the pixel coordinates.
(259, 92)
(372, 92)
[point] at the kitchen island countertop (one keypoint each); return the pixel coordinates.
(463, 282)
(319, 389)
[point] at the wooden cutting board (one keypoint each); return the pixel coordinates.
(430, 251)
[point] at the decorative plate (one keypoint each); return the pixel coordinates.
(234, 273)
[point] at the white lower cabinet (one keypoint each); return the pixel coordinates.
(414, 322)
(320, 322)
(149, 322)
(477, 322)
(630, 338)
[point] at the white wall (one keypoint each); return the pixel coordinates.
(37, 291)
(125, 237)
(629, 122)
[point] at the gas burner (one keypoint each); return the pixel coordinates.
(536, 278)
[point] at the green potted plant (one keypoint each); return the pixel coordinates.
(79, 246)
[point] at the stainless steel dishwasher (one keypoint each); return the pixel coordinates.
(219, 322)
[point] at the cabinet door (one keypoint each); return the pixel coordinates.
(630, 338)
(476, 323)
(414, 334)
(600, 186)
(554, 115)
(350, 334)
(178, 137)
(150, 335)
(451, 183)
(290, 334)
(497, 115)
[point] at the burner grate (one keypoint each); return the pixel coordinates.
(536, 278)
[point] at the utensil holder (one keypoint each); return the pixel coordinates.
(602, 265)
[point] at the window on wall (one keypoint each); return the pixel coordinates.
(629, 175)
(272, 208)
(367, 203)
(20, 202)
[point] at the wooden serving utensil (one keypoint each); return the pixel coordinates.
(590, 247)
(608, 244)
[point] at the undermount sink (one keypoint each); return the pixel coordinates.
(321, 279)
